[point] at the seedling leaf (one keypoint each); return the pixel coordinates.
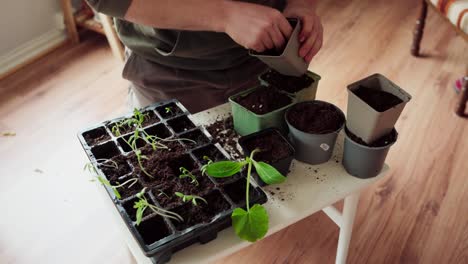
(223, 169)
(250, 225)
(267, 173)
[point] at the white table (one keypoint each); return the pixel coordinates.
(308, 189)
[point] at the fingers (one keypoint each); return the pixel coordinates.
(284, 27)
(315, 49)
(309, 40)
(277, 37)
(313, 43)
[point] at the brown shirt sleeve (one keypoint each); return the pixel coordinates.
(113, 8)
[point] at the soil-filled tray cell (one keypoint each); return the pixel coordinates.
(132, 186)
(201, 186)
(236, 191)
(196, 138)
(153, 229)
(125, 140)
(165, 196)
(115, 167)
(169, 110)
(150, 118)
(105, 151)
(96, 136)
(210, 152)
(131, 210)
(159, 130)
(181, 124)
(201, 213)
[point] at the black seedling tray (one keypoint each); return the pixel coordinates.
(159, 237)
(282, 165)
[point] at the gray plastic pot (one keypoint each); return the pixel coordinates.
(288, 62)
(363, 161)
(313, 148)
(366, 122)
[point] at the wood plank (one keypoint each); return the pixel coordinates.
(417, 215)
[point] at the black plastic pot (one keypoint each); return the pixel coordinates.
(282, 164)
(159, 237)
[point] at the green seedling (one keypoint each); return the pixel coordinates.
(250, 224)
(190, 198)
(168, 110)
(116, 187)
(106, 163)
(142, 204)
(187, 174)
(209, 161)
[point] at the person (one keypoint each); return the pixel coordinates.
(197, 50)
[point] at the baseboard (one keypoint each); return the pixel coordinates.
(30, 51)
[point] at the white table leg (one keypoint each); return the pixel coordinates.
(349, 212)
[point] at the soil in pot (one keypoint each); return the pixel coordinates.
(272, 147)
(181, 124)
(381, 142)
(315, 117)
(264, 100)
(96, 136)
(289, 84)
(203, 213)
(169, 110)
(380, 100)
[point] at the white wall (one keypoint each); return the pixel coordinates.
(24, 20)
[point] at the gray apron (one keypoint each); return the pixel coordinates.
(201, 69)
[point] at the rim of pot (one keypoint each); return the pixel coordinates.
(251, 90)
(320, 101)
(373, 148)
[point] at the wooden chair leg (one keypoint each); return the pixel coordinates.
(114, 41)
(419, 29)
(463, 99)
(69, 21)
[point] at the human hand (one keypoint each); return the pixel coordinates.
(255, 26)
(311, 35)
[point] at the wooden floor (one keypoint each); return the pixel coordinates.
(51, 213)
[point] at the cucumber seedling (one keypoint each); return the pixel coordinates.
(250, 224)
(190, 198)
(168, 110)
(142, 204)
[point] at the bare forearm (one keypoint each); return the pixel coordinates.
(179, 14)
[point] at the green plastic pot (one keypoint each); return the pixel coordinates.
(307, 93)
(247, 122)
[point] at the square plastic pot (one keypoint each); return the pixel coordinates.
(366, 122)
(306, 93)
(282, 165)
(363, 161)
(288, 62)
(247, 122)
(313, 148)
